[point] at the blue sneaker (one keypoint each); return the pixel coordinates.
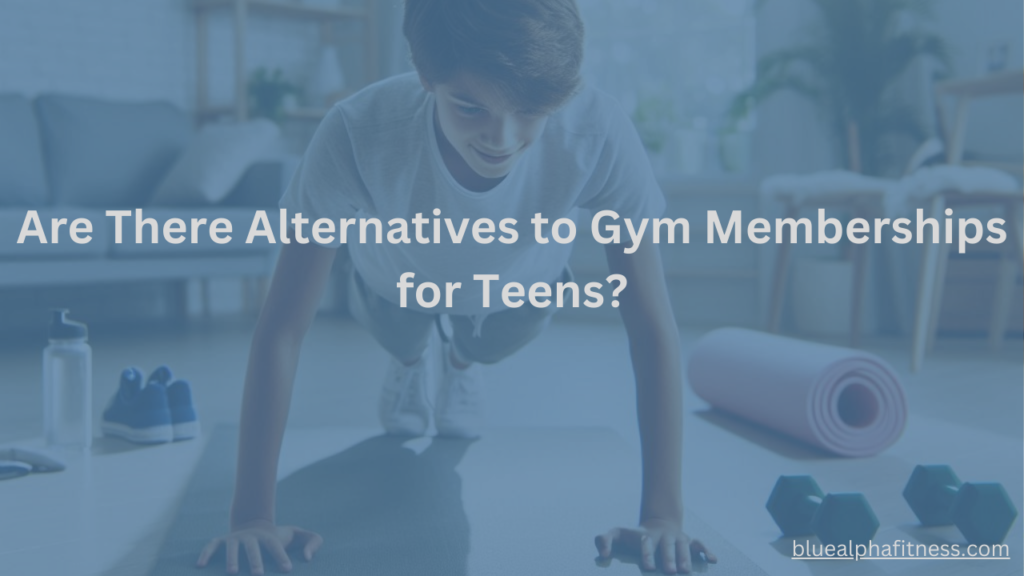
(184, 419)
(162, 376)
(139, 411)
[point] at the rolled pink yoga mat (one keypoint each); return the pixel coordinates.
(846, 401)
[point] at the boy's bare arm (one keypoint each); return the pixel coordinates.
(291, 304)
(290, 307)
(654, 350)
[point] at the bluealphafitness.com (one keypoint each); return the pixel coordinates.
(899, 550)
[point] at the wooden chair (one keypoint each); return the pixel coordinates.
(861, 201)
(933, 265)
(861, 197)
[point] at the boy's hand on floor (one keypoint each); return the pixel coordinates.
(275, 539)
(655, 542)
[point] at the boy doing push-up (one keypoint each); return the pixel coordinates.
(495, 123)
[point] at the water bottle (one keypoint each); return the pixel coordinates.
(67, 385)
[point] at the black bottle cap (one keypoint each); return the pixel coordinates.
(63, 329)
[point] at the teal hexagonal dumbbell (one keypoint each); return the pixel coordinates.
(982, 511)
(799, 508)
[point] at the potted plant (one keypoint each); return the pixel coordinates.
(675, 146)
(269, 92)
(847, 65)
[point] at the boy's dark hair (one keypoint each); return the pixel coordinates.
(530, 49)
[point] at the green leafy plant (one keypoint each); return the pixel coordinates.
(854, 56)
(267, 92)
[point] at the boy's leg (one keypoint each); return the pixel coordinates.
(492, 338)
(403, 408)
(481, 340)
(497, 336)
(401, 331)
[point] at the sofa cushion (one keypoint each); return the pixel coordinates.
(263, 184)
(214, 162)
(108, 154)
(22, 174)
(12, 219)
(240, 218)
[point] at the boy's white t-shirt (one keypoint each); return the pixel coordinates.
(375, 155)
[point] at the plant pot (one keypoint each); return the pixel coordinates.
(822, 296)
(734, 152)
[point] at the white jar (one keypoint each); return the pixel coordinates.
(67, 385)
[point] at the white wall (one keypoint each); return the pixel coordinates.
(125, 49)
(146, 49)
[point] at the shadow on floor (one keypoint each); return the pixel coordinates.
(381, 508)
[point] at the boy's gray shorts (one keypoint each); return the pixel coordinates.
(486, 338)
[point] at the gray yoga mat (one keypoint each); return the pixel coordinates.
(516, 502)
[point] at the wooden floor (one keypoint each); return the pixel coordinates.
(95, 519)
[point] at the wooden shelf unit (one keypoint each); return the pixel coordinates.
(287, 9)
(295, 9)
(303, 113)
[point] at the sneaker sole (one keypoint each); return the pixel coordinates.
(152, 435)
(408, 424)
(185, 430)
